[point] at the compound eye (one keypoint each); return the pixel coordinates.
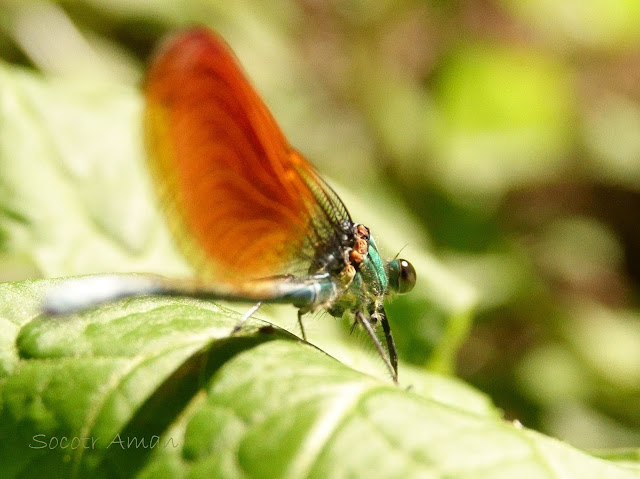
(407, 278)
(403, 276)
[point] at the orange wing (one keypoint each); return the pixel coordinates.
(236, 194)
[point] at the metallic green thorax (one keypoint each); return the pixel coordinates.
(368, 288)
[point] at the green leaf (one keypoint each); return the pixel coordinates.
(629, 457)
(74, 193)
(157, 386)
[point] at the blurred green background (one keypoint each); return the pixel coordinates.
(506, 131)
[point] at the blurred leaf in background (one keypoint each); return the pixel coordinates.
(498, 141)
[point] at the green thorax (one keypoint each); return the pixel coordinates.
(368, 287)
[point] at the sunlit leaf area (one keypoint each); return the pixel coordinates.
(493, 143)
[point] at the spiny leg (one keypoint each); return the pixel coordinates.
(304, 335)
(391, 345)
(245, 317)
(366, 324)
(353, 326)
